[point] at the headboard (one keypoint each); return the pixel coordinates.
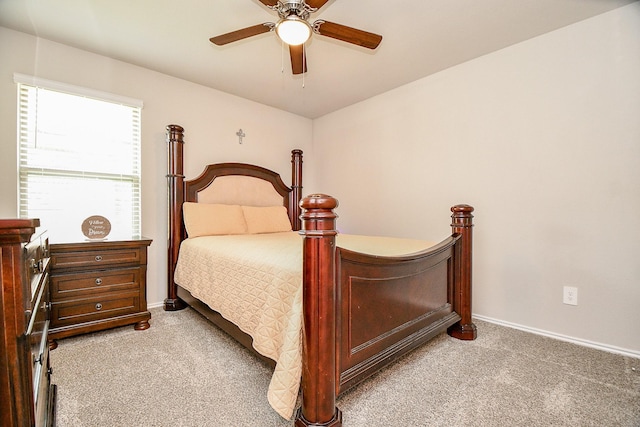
(226, 183)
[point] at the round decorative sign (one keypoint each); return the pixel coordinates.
(96, 227)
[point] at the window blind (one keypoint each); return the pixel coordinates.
(79, 156)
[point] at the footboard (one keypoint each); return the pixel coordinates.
(389, 306)
(362, 312)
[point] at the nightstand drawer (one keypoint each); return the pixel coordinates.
(96, 308)
(97, 259)
(75, 285)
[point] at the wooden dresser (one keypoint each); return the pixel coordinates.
(96, 285)
(27, 397)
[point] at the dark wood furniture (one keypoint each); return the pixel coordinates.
(361, 312)
(97, 285)
(27, 397)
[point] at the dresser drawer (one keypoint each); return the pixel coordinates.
(74, 285)
(37, 330)
(97, 258)
(42, 386)
(95, 308)
(36, 254)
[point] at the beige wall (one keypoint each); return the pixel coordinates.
(210, 118)
(543, 138)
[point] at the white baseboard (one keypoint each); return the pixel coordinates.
(585, 343)
(156, 304)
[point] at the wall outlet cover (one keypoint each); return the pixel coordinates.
(570, 295)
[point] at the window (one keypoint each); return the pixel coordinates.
(78, 156)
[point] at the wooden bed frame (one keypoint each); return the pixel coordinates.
(360, 312)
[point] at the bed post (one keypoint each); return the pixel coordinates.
(319, 295)
(296, 189)
(462, 224)
(175, 181)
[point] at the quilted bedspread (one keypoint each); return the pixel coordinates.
(255, 281)
(259, 291)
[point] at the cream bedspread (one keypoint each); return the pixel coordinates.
(255, 281)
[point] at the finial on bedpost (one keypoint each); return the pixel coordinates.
(319, 370)
(462, 224)
(175, 132)
(296, 189)
(175, 188)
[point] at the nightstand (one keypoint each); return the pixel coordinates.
(96, 285)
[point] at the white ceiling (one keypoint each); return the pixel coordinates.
(420, 37)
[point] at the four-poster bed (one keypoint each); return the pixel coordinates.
(358, 312)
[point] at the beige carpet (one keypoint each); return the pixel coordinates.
(185, 372)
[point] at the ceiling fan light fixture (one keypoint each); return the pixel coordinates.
(293, 31)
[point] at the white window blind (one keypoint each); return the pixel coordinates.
(79, 156)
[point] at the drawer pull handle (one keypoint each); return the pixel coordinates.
(36, 266)
(98, 257)
(98, 306)
(98, 281)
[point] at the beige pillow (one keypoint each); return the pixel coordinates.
(269, 219)
(206, 219)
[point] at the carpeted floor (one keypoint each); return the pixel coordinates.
(185, 372)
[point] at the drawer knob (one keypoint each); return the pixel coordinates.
(98, 281)
(98, 257)
(36, 266)
(98, 306)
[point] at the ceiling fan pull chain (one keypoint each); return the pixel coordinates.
(304, 60)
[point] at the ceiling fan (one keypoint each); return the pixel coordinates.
(294, 29)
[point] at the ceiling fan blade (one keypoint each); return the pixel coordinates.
(347, 34)
(269, 2)
(316, 4)
(298, 59)
(244, 33)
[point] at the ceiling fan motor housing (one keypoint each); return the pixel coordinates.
(293, 7)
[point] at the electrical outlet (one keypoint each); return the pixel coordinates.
(570, 295)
